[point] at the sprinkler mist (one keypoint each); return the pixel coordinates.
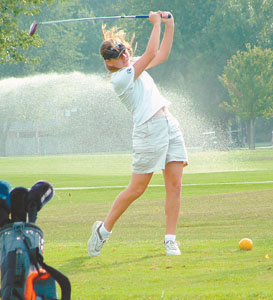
(80, 113)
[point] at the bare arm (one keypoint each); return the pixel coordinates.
(152, 47)
(167, 41)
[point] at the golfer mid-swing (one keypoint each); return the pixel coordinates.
(157, 140)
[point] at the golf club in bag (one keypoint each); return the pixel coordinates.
(40, 193)
(24, 274)
(34, 25)
(18, 204)
(5, 188)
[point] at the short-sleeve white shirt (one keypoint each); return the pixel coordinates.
(141, 96)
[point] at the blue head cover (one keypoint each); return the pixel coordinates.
(5, 188)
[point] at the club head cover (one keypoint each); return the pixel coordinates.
(40, 193)
(5, 188)
(18, 204)
(4, 213)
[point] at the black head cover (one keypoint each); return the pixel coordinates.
(4, 213)
(18, 204)
(40, 193)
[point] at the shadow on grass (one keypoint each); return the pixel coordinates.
(88, 263)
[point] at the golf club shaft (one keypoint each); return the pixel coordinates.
(91, 19)
(34, 25)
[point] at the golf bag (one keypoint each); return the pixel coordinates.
(24, 274)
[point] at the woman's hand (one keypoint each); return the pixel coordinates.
(165, 17)
(155, 17)
(167, 41)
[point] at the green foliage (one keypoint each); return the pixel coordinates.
(248, 76)
(62, 50)
(13, 39)
(231, 25)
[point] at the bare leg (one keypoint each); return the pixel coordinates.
(135, 189)
(173, 179)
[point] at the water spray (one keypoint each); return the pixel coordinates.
(34, 25)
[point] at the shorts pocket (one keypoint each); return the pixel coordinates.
(143, 160)
(140, 132)
(142, 141)
(143, 146)
(175, 130)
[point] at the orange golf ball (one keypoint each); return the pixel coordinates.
(245, 244)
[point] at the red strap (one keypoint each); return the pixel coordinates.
(33, 277)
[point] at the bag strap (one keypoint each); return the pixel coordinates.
(17, 294)
(30, 293)
(31, 251)
(62, 280)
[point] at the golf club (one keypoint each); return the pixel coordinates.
(5, 188)
(18, 203)
(40, 193)
(34, 25)
(4, 213)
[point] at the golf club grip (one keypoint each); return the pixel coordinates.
(169, 16)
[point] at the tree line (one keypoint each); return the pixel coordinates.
(214, 40)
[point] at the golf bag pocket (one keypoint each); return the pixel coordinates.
(24, 275)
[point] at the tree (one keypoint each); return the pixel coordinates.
(14, 41)
(248, 77)
(71, 47)
(231, 25)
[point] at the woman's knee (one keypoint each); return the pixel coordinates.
(136, 191)
(174, 188)
(139, 190)
(139, 183)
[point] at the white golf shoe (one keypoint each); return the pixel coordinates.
(96, 241)
(172, 248)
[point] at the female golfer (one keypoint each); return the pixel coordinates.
(157, 140)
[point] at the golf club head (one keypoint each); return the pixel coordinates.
(18, 204)
(4, 213)
(5, 188)
(33, 28)
(40, 193)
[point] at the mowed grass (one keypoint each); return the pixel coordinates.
(133, 265)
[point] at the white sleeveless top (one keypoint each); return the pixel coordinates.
(141, 96)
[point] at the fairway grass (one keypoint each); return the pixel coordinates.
(133, 264)
(214, 217)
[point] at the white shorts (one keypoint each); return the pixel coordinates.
(156, 143)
